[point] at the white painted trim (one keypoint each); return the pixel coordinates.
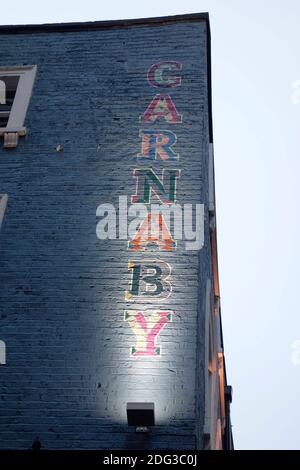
(3, 203)
(211, 179)
(21, 131)
(2, 92)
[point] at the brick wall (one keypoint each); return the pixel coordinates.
(69, 373)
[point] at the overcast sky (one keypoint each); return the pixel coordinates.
(256, 61)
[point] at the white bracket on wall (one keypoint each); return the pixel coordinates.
(11, 139)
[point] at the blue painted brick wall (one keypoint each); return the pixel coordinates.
(69, 374)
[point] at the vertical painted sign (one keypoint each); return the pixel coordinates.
(150, 279)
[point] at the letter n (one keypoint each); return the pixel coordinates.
(147, 180)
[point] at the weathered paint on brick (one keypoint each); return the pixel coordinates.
(69, 372)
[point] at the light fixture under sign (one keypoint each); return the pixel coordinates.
(140, 415)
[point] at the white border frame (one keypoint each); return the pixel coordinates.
(3, 203)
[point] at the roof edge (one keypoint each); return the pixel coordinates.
(94, 25)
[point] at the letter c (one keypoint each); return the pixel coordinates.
(157, 78)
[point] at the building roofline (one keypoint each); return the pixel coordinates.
(94, 25)
(98, 25)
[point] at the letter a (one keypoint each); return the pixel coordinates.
(153, 230)
(162, 106)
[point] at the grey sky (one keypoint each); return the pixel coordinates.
(256, 59)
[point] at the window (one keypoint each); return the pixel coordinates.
(16, 85)
(8, 85)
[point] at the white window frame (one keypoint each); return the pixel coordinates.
(15, 125)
